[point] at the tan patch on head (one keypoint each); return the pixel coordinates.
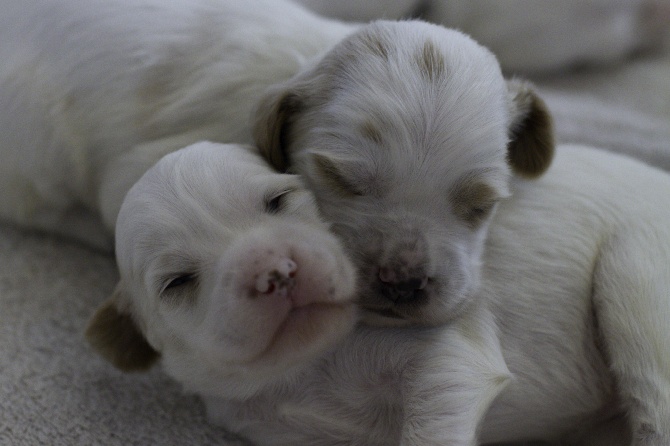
(375, 45)
(431, 62)
(371, 131)
(473, 201)
(332, 176)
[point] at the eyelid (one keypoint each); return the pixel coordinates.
(471, 195)
(186, 277)
(333, 174)
(278, 193)
(269, 198)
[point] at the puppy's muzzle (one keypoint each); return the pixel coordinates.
(402, 277)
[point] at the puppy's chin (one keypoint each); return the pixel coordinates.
(305, 333)
(304, 336)
(384, 318)
(405, 315)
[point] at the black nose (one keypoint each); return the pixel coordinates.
(402, 290)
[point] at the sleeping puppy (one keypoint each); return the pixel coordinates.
(567, 339)
(94, 93)
(531, 36)
(408, 134)
(227, 270)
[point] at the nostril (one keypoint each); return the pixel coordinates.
(405, 290)
(411, 284)
(387, 275)
(278, 278)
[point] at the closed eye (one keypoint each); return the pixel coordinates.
(275, 203)
(332, 174)
(179, 281)
(473, 201)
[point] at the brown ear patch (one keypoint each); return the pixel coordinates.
(531, 146)
(116, 337)
(271, 126)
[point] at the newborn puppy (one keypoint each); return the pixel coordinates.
(408, 134)
(531, 36)
(227, 271)
(567, 339)
(94, 93)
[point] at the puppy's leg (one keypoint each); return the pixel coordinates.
(632, 307)
(53, 211)
(452, 384)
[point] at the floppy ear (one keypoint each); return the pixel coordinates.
(273, 116)
(531, 132)
(115, 335)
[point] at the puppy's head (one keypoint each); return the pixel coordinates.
(227, 274)
(408, 134)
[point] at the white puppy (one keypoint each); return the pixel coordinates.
(408, 148)
(227, 270)
(531, 36)
(93, 93)
(567, 340)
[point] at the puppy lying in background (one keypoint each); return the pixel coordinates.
(94, 93)
(566, 339)
(531, 36)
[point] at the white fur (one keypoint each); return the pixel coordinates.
(566, 341)
(532, 36)
(406, 149)
(93, 93)
(575, 299)
(232, 288)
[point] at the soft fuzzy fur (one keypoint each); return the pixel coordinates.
(408, 148)
(95, 93)
(226, 270)
(566, 339)
(532, 36)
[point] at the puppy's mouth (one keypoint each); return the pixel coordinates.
(312, 327)
(386, 312)
(385, 317)
(392, 308)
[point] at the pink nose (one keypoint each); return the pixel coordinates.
(277, 279)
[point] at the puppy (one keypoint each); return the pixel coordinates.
(225, 269)
(408, 134)
(532, 36)
(94, 93)
(567, 340)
